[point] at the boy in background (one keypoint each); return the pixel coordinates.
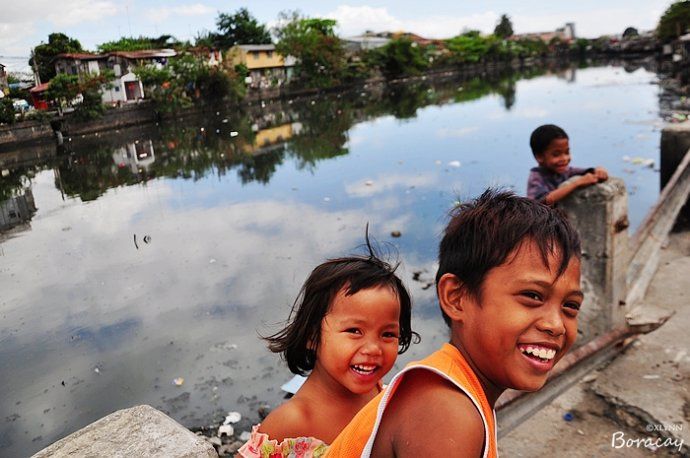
(551, 149)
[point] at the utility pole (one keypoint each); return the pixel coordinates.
(34, 67)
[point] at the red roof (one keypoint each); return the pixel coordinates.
(80, 56)
(39, 88)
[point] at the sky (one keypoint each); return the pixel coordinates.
(26, 23)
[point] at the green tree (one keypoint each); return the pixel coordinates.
(6, 111)
(319, 52)
(401, 57)
(675, 21)
(504, 28)
(63, 89)
(240, 28)
(138, 44)
(630, 32)
(44, 53)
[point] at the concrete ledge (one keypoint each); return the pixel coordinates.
(140, 431)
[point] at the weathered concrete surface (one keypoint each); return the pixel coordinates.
(626, 396)
(650, 384)
(600, 215)
(140, 431)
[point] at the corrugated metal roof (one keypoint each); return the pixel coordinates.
(257, 47)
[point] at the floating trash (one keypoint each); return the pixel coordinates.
(568, 416)
(234, 133)
(368, 183)
(179, 381)
(211, 261)
(294, 384)
(232, 417)
(228, 430)
(97, 370)
(225, 121)
(396, 234)
(455, 164)
(437, 162)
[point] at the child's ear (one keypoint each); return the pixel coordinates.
(450, 293)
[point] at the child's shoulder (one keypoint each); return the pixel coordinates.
(453, 413)
(288, 420)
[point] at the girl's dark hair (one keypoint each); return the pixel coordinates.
(483, 232)
(298, 342)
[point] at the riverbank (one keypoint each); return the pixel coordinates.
(35, 132)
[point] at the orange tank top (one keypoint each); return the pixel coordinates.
(357, 439)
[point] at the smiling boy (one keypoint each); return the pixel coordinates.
(551, 148)
(508, 286)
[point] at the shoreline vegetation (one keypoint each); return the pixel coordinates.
(323, 62)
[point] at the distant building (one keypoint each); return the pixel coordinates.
(272, 138)
(126, 86)
(3, 79)
(138, 156)
(266, 67)
(364, 42)
(565, 34)
(213, 57)
(38, 97)
(17, 210)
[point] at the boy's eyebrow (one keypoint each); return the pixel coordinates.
(546, 284)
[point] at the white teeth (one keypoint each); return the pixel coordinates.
(540, 352)
(363, 369)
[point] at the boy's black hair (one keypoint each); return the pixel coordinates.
(298, 342)
(483, 232)
(543, 136)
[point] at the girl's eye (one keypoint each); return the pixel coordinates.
(390, 335)
(353, 331)
(572, 305)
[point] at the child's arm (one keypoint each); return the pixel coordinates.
(429, 417)
(601, 173)
(562, 192)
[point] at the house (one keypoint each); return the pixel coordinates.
(137, 156)
(565, 34)
(79, 63)
(211, 56)
(271, 138)
(265, 66)
(3, 79)
(364, 42)
(38, 97)
(17, 210)
(126, 86)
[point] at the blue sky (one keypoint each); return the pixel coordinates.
(24, 24)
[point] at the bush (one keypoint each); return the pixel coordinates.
(6, 111)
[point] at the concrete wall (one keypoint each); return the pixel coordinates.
(140, 431)
(600, 215)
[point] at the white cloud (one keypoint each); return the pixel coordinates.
(161, 14)
(73, 12)
(366, 188)
(354, 20)
(456, 133)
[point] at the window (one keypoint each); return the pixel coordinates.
(256, 55)
(269, 54)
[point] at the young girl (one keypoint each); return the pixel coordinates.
(351, 320)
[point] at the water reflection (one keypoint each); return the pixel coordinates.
(238, 206)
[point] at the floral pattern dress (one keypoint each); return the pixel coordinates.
(260, 446)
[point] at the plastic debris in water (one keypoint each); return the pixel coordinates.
(294, 384)
(211, 261)
(568, 416)
(228, 430)
(232, 417)
(455, 164)
(396, 234)
(234, 133)
(178, 381)
(369, 183)
(97, 370)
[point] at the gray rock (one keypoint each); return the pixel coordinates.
(136, 432)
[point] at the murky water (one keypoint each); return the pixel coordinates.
(149, 254)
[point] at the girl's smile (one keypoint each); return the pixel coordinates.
(359, 340)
